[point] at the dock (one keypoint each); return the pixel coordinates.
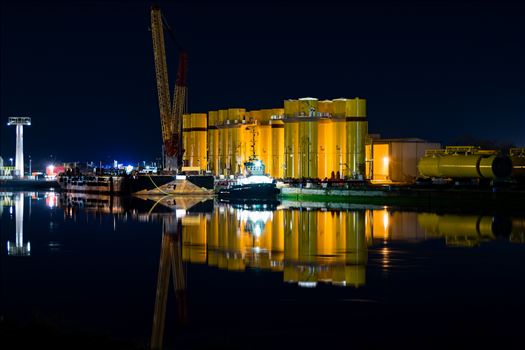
(410, 196)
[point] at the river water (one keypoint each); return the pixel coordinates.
(87, 271)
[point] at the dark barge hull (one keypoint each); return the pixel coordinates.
(249, 193)
(127, 184)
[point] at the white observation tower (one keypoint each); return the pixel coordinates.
(19, 158)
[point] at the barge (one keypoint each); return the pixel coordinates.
(140, 184)
(411, 195)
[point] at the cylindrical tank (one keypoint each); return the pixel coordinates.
(325, 108)
(291, 108)
(186, 143)
(339, 147)
(277, 113)
(236, 115)
(308, 107)
(465, 166)
(199, 131)
(339, 107)
(265, 148)
(213, 142)
(265, 115)
(234, 149)
(232, 140)
(325, 146)
(224, 160)
(222, 116)
(291, 149)
(356, 133)
(517, 156)
(356, 107)
(308, 148)
(518, 167)
(277, 126)
(255, 115)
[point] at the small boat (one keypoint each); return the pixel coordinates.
(256, 186)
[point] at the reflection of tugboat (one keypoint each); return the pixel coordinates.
(256, 186)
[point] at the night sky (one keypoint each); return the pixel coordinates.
(442, 71)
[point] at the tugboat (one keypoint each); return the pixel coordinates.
(256, 186)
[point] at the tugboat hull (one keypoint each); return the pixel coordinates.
(250, 192)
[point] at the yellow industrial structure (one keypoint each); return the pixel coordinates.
(464, 162)
(395, 160)
(307, 138)
(194, 133)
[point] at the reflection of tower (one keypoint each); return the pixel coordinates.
(19, 159)
(356, 249)
(324, 246)
(170, 259)
(19, 249)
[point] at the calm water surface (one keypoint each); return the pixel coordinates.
(93, 271)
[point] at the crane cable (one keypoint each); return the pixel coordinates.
(154, 205)
(154, 184)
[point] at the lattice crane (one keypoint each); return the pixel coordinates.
(170, 115)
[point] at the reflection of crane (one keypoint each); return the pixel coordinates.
(170, 259)
(170, 115)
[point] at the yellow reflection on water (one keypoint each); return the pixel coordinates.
(308, 246)
(311, 246)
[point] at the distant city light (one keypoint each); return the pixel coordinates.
(129, 169)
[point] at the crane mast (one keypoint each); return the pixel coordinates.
(179, 105)
(170, 115)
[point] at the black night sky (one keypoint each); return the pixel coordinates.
(84, 72)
